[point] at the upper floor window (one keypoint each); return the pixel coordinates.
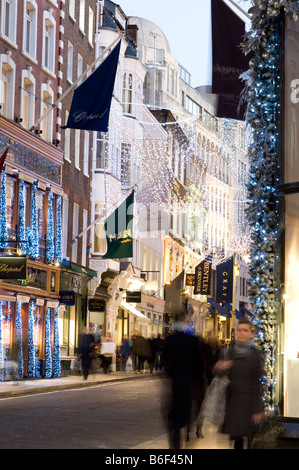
(30, 28)
(127, 92)
(27, 99)
(7, 85)
(90, 25)
(70, 54)
(9, 20)
(49, 42)
(47, 122)
(72, 8)
(82, 15)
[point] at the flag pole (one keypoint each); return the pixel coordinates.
(74, 84)
(239, 8)
(102, 216)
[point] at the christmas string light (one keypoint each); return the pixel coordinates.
(1, 347)
(263, 114)
(56, 351)
(50, 230)
(48, 348)
(58, 254)
(19, 341)
(3, 224)
(31, 347)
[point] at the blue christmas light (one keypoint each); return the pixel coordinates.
(19, 341)
(3, 224)
(50, 251)
(31, 347)
(56, 352)
(48, 348)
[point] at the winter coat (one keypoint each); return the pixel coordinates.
(244, 392)
(141, 347)
(184, 363)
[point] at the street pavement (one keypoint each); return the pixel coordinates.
(211, 440)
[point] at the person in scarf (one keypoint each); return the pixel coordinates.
(244, 397)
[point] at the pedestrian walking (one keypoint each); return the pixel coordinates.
(141, 351)
(244, 366)
(125, 353)
(184, 363)
(107, 352)
(86, 351)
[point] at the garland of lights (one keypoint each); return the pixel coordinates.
(19, 341)
(262, 93)
(48, 349)
(56, 351)
(22, 229)
(1, 347)
(50, 253)
(34, 252)
(31, 347)
(58, 254)
(3, 224)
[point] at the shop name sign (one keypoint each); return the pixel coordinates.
(97, 305)
(13, 267)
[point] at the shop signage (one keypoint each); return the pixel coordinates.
(134, 296)
(190, 279)
(97, 305)
(13, 267)
(68, 298)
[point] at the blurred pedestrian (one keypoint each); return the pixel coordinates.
(125, 352)
(244, 398)
(151, 360)
(183, 361)
(159, 352)
(141, 351)
(107, 352)
(86, 351)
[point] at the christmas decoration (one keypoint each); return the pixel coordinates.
(48, 348)
(33, 249)
(19, 341)
(263, 116)
(58, 254)
(3, 224)
(50, 231)
(56, 351)
(31, 347)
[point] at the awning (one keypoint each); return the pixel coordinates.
(134, 310)
(237, 313)
(83, 270)
(220, 309)
(245, 310)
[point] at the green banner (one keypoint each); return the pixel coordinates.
(119, 231)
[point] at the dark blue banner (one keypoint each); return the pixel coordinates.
(92, 100)
(224, 281)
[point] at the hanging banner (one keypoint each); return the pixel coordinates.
(229, 62)
(203, 278)
(91, 103)
(224, 281)
(174, 298)
(119, 231)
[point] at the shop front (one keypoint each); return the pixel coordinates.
(30, 309)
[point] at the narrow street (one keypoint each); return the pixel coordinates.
(118, 415)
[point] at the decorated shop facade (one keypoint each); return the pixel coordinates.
(31, 253)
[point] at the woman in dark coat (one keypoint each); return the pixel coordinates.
(244, 405)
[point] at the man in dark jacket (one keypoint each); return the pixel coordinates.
(184, 363)
(86, 351)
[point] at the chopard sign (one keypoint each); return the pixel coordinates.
(13, 267)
